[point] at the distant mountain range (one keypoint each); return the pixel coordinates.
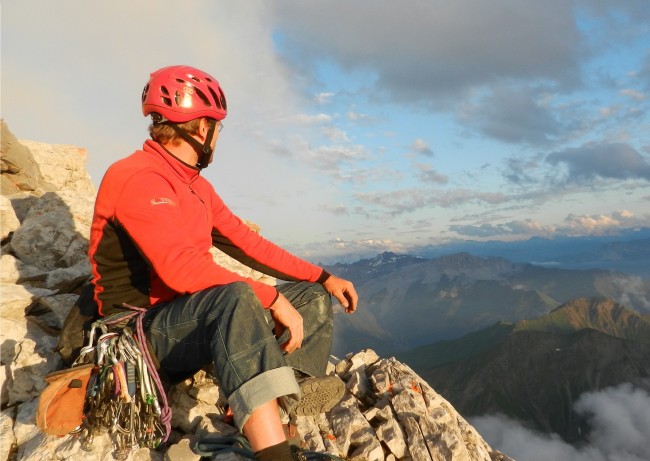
(535, 370)
(407, 301)
(627, 252)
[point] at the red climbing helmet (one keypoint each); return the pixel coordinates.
(182, 93)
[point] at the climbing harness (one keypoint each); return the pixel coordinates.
(125, 396)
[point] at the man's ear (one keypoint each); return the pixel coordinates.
(203, 127)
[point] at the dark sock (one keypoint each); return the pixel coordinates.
(279, 452)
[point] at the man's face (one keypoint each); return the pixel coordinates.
(214, 140)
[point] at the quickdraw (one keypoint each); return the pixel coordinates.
(125, 396)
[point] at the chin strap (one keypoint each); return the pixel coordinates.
(204, 151)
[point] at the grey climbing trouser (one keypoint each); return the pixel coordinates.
(226, 325)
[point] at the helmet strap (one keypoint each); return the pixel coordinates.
(204, 151)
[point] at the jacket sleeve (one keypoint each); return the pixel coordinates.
(161, 234)
(231, 235)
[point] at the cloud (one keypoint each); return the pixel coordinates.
(499, 69)
(522, 170)
(619, 418)
(323, 98)
(357, 116)
(341, 250)
(428, 175)
(332, 159)
(634, 94)
(420, 146)
(335, 134)
(446, 50)
(601, 160)
(633, 291)
(573, 225)
(401, 201)
(526, 227)
(600, 224)
(513, 115)
(338, 210)
(308, 119)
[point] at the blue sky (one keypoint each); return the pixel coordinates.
(359, 127)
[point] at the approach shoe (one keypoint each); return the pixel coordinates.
(319, 395)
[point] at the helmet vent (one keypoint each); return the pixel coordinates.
(179, 99)
(164, 90)
(203, 97)
(166, 101)
(215, 97)
(144, 92)
(196, 79)
(222, 99)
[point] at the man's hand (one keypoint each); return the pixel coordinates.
(344, 291)
(287, 317)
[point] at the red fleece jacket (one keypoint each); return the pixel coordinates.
(154, 223)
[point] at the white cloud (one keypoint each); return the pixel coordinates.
(427, 174)
(600, 224)
(401, 201)
(335, 134)
(634, 94)
(574, 225)
(421, 147)
(339, 249)
(323, 98)
(620, 422)
(520, 228)
(307, 119)
(356, 116)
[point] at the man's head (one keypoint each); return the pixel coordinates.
(177, 98)
(163, 133)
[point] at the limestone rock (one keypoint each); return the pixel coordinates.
(55, 232)
(20, 171)
(17, 299)
(7, 432)
(8, 217)
(31, 362)
(62, 166)
(13, 271)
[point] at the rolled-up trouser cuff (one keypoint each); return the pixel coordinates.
(279, 383)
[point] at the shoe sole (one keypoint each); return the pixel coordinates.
(319, 395)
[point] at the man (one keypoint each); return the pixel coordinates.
(155, 220)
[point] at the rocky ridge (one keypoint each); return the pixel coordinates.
(388, 412)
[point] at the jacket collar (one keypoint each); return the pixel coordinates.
(187, 172)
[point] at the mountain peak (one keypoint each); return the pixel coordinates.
(599, 314)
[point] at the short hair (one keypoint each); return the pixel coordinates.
(163, 133)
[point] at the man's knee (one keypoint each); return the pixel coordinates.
(241, 291)
(227, 300)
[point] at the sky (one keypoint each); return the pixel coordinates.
(367, 126)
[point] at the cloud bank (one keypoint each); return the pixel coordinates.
(619, 418)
